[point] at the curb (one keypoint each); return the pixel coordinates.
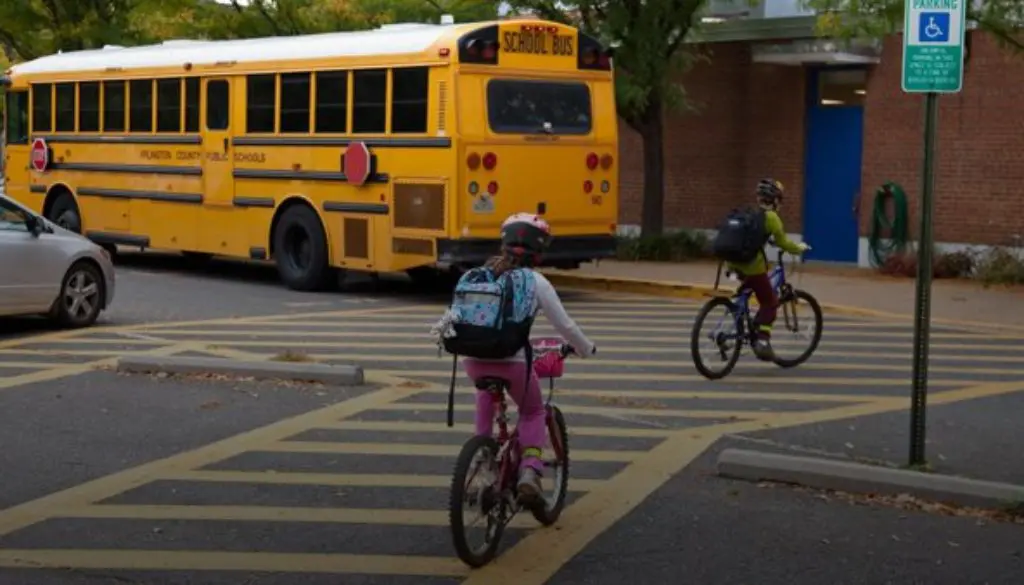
(859, 478)
(306, 372)
(681, 290)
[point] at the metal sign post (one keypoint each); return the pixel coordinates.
(934, 32)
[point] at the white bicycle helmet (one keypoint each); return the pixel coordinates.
(525, 234)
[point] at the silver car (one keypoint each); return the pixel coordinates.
(47, 270)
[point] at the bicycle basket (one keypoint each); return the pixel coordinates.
(547, 362)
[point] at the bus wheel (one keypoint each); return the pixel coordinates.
(300, 250)
(64, 212)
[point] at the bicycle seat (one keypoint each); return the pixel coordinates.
(492, 384)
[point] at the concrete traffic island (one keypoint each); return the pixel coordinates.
(343, 375)
(843, 476)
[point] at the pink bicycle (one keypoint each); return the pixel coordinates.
(487, 469)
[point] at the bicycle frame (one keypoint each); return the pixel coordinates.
(742, 317)
(509, 451)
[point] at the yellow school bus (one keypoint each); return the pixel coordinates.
(396, 149)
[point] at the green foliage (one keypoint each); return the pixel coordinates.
(648, 42)
(34, 28)
(1001, 266)
(876, 18)
(675, 247)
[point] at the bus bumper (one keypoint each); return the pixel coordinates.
(565, 252)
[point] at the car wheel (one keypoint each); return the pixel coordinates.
(65, 214)
(81, 296)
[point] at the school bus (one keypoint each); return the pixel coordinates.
(396, 149)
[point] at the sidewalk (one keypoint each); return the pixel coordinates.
(837, 288)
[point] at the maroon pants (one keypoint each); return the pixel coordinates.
(762, 287)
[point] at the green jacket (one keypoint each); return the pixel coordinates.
(773, 227)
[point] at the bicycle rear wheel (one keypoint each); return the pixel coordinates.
(476, 483)
(726, 339)
(554, 502)
(793, 324)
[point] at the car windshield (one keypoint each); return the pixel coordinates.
(11, 216)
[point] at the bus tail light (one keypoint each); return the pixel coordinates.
(480, 46)
(473, 161)
(492, 187)
(591, 55)
(490, 161)
(588, 186)
(606, 161)
(592, 161)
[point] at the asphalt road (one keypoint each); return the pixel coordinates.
(142, 479)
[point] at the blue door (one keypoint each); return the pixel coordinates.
(835, 138)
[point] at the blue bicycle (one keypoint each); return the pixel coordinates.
(736, 328)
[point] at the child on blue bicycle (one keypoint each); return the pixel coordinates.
(740, 243)
(494, 308)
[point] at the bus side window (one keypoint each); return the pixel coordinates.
(294, 114)
(42, 107)
(369, 101)
(140, 99)
(260, 98)
(168, 105)
(65, 107)
(17, 117)
(332, 101)
(218, 114)
(409, 100)
(89, 106)
(192, 104)
(113, 106)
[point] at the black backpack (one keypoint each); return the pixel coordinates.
(741, 236)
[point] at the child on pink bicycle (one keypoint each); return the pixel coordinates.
(489, 324)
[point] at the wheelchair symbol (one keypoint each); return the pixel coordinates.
(933, 27)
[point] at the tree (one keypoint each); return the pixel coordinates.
(34, 28)
(234, 19)
(650, 56)
(877, 18)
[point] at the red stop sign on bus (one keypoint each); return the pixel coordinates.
(357, 163)
(40, 155)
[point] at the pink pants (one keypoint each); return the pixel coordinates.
(529, 399)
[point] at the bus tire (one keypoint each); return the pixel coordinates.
(64, 212)
(300, 250)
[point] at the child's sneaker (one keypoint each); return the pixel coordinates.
(529, 484)
(763, 350)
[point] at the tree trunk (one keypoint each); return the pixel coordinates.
(652, 132)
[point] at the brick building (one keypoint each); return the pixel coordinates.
(833, 124)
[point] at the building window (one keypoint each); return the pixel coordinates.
(140, 96)
(17, 117)
(192, 104)
(842, 87)
(369, 101)
(42, 105)
(332, 101)
(409, 100)
(113, 106)
(89, 106)
(218, 105)
(65, 107)
(294, 115)
(168, 105)
(259, 111)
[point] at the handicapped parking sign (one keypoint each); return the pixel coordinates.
(933, 27)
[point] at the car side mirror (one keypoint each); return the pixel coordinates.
(34, 225)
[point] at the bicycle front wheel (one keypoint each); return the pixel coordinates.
(718, 356)
(558, 467)
(802, 322)
(474, 496)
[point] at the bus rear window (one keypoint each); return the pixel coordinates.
(538, 107)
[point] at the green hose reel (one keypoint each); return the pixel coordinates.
(888, 236)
